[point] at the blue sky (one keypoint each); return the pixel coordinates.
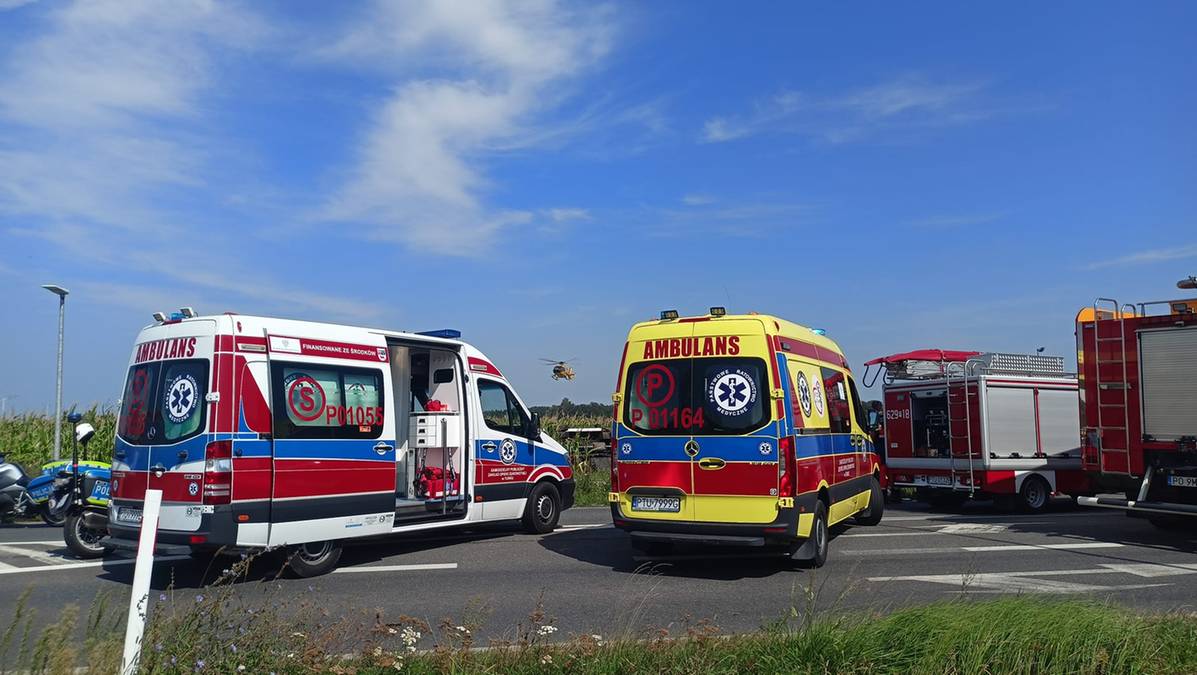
(541, 175)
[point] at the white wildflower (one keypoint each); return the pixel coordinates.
(545, 631)
(546, 659)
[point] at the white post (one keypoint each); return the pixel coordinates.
(139, 599)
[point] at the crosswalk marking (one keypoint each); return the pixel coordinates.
(983, 549)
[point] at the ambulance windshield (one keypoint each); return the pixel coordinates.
(701, 396)
(163, 401)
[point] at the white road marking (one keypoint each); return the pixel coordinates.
(6, 566)
(52, 542)
(973, 528)
(964, 517)
(1025, 581)
(583, 527)
(81, 565)
(1033, 547)
(986, 549)
(396, 568)
(40, 556)
(956, 528)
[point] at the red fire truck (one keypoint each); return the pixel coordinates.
(1138, 382)
(966, 424)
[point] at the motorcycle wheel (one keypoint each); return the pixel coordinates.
(83, 541)
(51, 519)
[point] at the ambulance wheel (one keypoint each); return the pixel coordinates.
(83, 541)
(812, 552)
(315, 558)
(1035, 493)
(872, 515)
(543, 509)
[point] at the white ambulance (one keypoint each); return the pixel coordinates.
(265, 432)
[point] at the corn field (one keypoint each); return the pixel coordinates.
(28, 438)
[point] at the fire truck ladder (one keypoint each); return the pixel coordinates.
(1118, 314)
(967, 438)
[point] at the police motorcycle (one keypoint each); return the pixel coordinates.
(23, 495)
(81, 496)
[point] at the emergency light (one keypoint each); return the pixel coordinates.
(159, 317)
(819, 331)
(188, 312)
(718, 311)
(669, 315)
(447, 333)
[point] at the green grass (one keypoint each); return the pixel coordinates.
(245, 628)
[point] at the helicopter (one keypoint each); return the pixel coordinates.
(561, 369)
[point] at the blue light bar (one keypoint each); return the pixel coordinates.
(447, 333)
(818, 331)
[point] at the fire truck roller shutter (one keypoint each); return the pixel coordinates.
(1168, 362)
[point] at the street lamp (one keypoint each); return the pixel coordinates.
(61, 293)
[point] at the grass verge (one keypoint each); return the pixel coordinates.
(232, 631)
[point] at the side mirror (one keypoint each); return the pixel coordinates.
(534, 427)
(84, 432)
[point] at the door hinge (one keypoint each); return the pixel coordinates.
(212, 397)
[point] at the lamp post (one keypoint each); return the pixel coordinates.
(61, 293)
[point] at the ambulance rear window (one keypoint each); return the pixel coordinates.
(163, 402)
(703, 396)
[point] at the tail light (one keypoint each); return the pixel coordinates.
(785, 465)
(614, 463)
(218, 472)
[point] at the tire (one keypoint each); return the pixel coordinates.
(314, 559)
(51, 519)
(872, 515)
(543, 509)
(84, 542)
(1035, 494)
(820, 540)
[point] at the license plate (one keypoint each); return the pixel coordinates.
(659, 504)
(126, 515)
(939, 480)
(1182, 481)
(100, 491)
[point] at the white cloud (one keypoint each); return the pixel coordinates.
(562, 215)
(697, 200)
(485, 75)
(960, 220)
(104, 143)
(13, 4)
(1145, 257)
(906, 102)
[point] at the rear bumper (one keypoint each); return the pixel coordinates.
(160, 548)
(783, 529)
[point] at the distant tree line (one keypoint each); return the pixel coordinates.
(567, 408)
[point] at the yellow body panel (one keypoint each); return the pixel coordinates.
(734, 509)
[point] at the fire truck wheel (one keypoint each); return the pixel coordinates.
(872, 515)
(314, 558)
(543, 509)
(812, 552)
(1035, 493)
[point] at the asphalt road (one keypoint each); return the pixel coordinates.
(587, 579)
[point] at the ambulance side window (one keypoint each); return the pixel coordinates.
(318, 401)
(838, 409)
(500, 410)
(862, 419)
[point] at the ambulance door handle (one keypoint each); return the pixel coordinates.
(381, 448)
(182, 455)
(489, 446)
